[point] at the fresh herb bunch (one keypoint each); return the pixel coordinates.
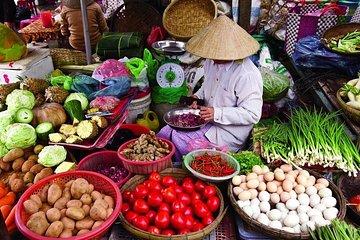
(337, 230)
(247, 160)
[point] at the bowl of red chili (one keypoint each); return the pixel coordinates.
(211, 165)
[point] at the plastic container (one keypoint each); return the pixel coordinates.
(148, 166)
(105, 158)
(226, 157)
(246, 233)
(46, 19)
(100, 182)
(138, 106)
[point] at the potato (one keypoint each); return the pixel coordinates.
(36, 199)
(31, 206)
(86, 199)
(43, 193)
(95, 195)
(45, 207)
(28, 185)
(38, 148)
(63, 213)
(6, 166)
(54, 193)
(61, 203)
(86, 223)
(34, 157)
(28, 177)
(45, 172)
(66, 233)
(97, 212)
(17, 164)
(86, 209)
(69, 183)
(90, 189)
(110, 201)
(68, 223)
(109, 211)
(54, 229)
(27, 165)
(75, 213)
(79, 187)
(36, 168)
(83, 231)
(17, 185)
(96, 224)
(74, 203)
(66, 193)
(37, 223)
(53, 214)
(13, 154)
(102, 202)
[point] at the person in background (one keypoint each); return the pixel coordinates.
(110, 7)
(232, 88)
(8, 13)
(72, 26)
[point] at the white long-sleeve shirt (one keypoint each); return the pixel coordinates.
(235, 91)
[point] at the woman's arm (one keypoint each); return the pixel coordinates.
(64, 27)
(101, 21)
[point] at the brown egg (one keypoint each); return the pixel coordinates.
(257, 169)
(271, 187)
(287, 185)
(290, 177)
(245, 195)
(284, 197)
(243, 178)
(279, 175)
(279, 190)
(286, 168)
(293, 173)
(244, 186)
(301, 179)
(278, 183)
(253, 193)
(260, 178)
(274, 198)
(299, 189)
(251, 176)
(305, 173)
(310, 181)
(253, 183)
(261, 187)
(319, 186)
(269, 176)
(323, 181)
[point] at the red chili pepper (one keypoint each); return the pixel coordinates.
(212, 165)
(355, 199)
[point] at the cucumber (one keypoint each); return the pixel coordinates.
(24, 115)
(43, 130)
(73, 108)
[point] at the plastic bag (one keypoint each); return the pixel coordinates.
(138, 69)
(152, 64)
(195, 144)
(310, 53)
(111, 68)
(157, 33)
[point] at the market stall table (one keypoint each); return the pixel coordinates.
(36, 32)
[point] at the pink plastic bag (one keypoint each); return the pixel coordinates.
(157, 34)
(111, 68)
(201, 144)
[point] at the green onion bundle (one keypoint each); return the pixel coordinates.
(337, 230)
(311, 138)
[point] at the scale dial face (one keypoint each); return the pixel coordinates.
(170, 75)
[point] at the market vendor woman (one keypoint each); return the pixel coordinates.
(232, 87)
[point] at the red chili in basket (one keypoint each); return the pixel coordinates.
(212, 165)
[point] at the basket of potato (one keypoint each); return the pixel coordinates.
(72, 205)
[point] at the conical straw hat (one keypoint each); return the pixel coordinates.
(222, 39)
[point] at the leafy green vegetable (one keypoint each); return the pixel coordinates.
(275, 85)
(80, 97)
(247, 160)
(19, 99)
(348, 43)
(3, 149)
(19, 135)
(6, 118)
(52, 155)
(337, 230)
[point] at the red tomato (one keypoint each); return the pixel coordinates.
(209, 191)
(153, 230)
(167, 181)
(188, 211)
(188, 187)
(185, 198)
(178, 206)
(207, 220)
(195, 197)
(177, 189)
(188, 179)
(184, 231)
(132, 198)
(126, 195)
(151, 216)
(130, 215)
(178, 220)
(125, 208)
(146, 183)
(197, 227)
(154, 176)
(162, 220)
(213, 203)
(140, 206)
(199, 186)
(164, 207)
(169, 195)
(154, 199)
(141, 191)
(189, 222)
(200, 209)
(154, 186)
(167, 232)
(141, 222)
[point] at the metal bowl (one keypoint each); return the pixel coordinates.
(169, 47)
(178, 111)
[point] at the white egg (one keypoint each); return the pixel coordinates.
(257, 169)
(314, 200)
(329, 201)
(264, 207)
(313, 212)
(263, 219)
(311, 190)
(274, 214)
(303, 199)
(283, 216)
(237, 190)
(293, 194)
(320, 207)
(256, 210)
(248, 210)
(282, 207)
(291, 220)
(264, 196)
(288, 229)
(318, 220)
(242, 204)
(274, 198)
(311, 225)
(325, 192)
(304, 218)
(275, 224)
(292, 204)
(255, 201)
(304, 228)
(292, 212)
(330, 213)
(297, 228)
(303, 208)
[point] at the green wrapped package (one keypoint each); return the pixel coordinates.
(12, 48)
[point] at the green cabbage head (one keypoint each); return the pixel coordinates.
(19, 135)
(6, 118)
(3, 149)
(52, 155)
(19, 99)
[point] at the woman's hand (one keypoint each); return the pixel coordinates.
(207, 113)
(194, 103)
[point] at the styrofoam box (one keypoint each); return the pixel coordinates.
(37, 64)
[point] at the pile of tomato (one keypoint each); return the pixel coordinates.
(162, 205)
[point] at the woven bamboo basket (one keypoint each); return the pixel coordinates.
(178, 174)
(182, 19)
(63, 56)
(349, 111)
(280, 234)
(350, 186)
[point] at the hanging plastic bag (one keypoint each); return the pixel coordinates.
(195, 144)
(111, 68)
(157, 33)
(152, 64)
(138, 69)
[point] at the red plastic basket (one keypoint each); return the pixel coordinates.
(105, 158)
(101, 184)
(148, 166)
(136, 129)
